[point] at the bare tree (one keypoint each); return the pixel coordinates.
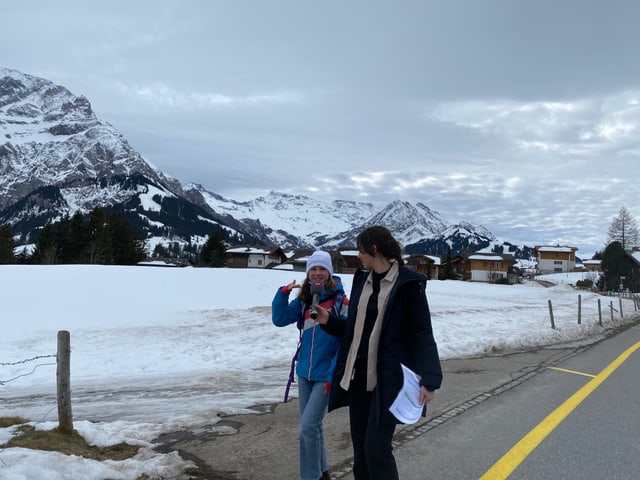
(624, 229)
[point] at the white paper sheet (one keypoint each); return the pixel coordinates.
(406, 407)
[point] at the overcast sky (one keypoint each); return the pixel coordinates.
(522, 116)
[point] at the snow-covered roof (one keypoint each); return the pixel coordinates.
(253, 250)
(556, 249)
(436, 260)
(494, 258)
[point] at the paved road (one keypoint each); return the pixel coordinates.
(485, 406)
(579, 419)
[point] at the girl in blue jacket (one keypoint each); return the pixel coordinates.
(316, 357)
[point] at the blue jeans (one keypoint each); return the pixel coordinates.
(313, 405)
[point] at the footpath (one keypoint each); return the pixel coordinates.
(265, 445)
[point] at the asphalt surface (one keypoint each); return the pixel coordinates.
(265, 446)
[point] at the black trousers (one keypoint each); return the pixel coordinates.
(372, 449)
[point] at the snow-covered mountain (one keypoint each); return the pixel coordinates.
(410, 224)
(52, 136)
(300, 221)
(292, 219)
(58, 158)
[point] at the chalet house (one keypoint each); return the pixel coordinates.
(339, 263)
(489, 267)
(555, 259)
(346, 261)
(299, 259)
(632, 282)
(592, 265)
(428, 265)
(254, 257)
(484, 267)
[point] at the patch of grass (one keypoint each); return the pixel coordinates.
(192, 471)
(11, 421)
(70, 444)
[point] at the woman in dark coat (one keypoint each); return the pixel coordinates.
(388, 325)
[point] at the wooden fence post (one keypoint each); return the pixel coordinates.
(553, 325)
(65, 419)
(611, 308)
(621, 313)
(579, 309)
(599, 312)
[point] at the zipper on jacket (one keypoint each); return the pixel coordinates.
(313, 339)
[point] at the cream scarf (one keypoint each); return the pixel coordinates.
(386, 284)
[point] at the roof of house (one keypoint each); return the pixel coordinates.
(635, 255)
(254, 250)
(557, 248)
(592, 262)
(495, 258)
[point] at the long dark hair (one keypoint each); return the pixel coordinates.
(382, 238)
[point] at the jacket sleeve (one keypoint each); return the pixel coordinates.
(423, 345)
(284, 313)
(337, 323)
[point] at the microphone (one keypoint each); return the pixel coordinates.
(316, 290)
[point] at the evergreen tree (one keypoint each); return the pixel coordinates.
(214, 251)
(71, 239)
(7, 245)
(615, 265)
(127, 250)
(62, 237)
(99, 249)
(624, 229)
(24, 257)
(160, 251)
(78, 238)
(45, 251)
(447, 269)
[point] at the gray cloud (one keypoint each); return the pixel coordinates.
(521, 116)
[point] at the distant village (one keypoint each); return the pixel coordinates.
(469, 266)
(487, 267)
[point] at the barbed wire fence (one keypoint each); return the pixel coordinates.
(613, 311)
(26, 361)
(63, 377)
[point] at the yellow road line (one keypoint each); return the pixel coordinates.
(514, 457)
(571, 371)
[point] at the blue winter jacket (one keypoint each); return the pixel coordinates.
(318, 349)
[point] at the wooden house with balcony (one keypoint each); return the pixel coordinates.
(254, 257)
(490, 267)
(592, 265)
(555, 259)
(428, 265)
(485, 267)
(345, 260)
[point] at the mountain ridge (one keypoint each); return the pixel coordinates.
(58, 157)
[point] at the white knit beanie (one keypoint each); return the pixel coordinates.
(320, 259)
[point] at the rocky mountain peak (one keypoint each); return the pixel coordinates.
(59, 157)
(52, 136)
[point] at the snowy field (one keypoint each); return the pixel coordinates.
(156, 349)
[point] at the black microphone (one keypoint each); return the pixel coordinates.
(316, 290)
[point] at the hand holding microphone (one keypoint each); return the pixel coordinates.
(316, 291)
